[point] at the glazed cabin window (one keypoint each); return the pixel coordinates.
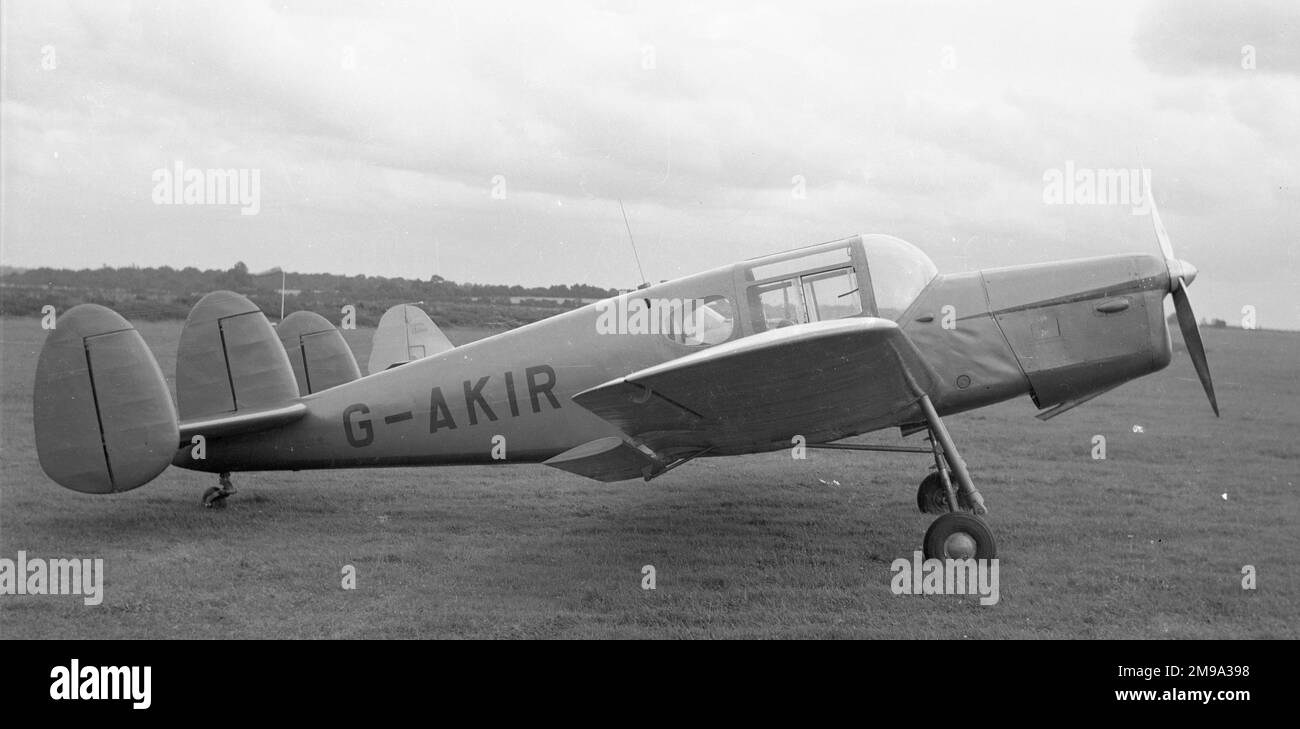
(776, 304)
(832, 295)
(807, 262)
(703, 322)
(814, 297)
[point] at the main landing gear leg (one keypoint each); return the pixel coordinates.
(956, 534)
(935, 494)
(215, 496)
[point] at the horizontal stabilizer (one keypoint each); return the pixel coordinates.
(317, 352)
(244, 421)
(103, 416)
(230, 359)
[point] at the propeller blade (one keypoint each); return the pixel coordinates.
(1166, 247)
(1179, 273)
(1192, 338)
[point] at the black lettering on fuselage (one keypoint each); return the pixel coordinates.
(541, 382)
(474, 397)
(439, 413)
(367, 430)
(510, 395)
(535, 388)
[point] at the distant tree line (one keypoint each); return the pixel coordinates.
(1172, 322)
(167, 293)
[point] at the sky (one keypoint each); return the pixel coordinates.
(492, 142)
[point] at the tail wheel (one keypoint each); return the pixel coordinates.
(214, 497)
(931, 498)
(958, 535)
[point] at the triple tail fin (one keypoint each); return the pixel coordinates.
(105, 421)
(319, 355)
(405, 334)
(230, 360)
(103, 415)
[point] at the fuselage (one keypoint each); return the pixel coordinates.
(988, 336)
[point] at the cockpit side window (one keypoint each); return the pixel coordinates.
(776, 304)
(827, 282)
(832, 294)
(816, 296)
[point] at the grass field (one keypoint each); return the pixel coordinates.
(1148, 543)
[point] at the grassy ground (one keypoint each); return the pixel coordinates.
(1147, 543)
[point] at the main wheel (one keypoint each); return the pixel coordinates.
(958, 535)
(930, 495)
(931, 498)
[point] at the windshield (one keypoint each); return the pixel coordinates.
(899, 271)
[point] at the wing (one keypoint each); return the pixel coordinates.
(825, 381)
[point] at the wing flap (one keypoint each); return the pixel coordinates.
(607, 459)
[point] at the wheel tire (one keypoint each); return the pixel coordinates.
(931, 498)
(210, 498)
(930, 495)
(940, 535)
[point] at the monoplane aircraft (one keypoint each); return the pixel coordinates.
(811, 346)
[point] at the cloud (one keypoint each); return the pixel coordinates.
(1193, 36)
(379, 132)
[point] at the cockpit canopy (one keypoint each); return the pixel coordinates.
(867, 275)
(899, 271)
(878, 275)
